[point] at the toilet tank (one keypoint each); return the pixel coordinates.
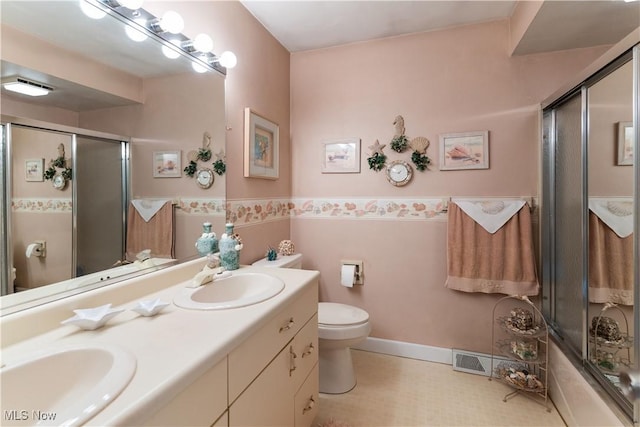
(283, 261)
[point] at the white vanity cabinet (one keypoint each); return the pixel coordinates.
(200, 404)
(273, 375)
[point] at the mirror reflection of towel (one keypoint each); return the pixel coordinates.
(156, 234)
(610, 264)
(148, 208)
(616, 212)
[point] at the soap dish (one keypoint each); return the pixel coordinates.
(92, 318)
(150, 307)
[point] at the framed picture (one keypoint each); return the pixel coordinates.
(467, 150)
(34, 170)
(341, 156)
(261, 146)
(166, 164)
(625, 144)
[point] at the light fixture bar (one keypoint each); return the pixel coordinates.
(129, 17)
(26, 87)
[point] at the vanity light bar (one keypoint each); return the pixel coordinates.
(26, 87)
(133, 18)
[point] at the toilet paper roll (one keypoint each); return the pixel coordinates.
(348, 275)
(33, 249)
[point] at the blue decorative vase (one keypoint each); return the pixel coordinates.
(230, 246)
(207, 243)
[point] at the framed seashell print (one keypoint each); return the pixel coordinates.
(625, 144)
(341, 156)
(467, 150)
(261, 146)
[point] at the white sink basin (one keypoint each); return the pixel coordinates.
(63, 386)
(238, 290)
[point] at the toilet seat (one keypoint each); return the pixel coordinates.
(340, 321)
(335, 314)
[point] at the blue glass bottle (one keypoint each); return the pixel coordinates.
(207, 242)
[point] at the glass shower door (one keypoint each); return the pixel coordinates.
(99, 228)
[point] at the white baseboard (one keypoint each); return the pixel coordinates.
(406, 349)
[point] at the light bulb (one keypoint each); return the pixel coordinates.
(136, 34)
(169, 52)
(131, 4)
(90, 9)
(203, 43)
(172, 22)
(197, 67)
(228, 59)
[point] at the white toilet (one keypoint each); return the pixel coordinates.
(340, 327)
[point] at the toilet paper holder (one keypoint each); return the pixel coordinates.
(359, 277)
(38, 249)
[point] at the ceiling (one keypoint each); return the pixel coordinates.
(306, 24)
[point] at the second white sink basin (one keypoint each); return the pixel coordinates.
(239, 290)
(64, 386)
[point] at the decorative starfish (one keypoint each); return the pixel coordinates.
(220, 155)
(377, 148)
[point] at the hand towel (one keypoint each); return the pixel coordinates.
(616, 212)
(501, 262)
(610, 264)
(148, 208)
(156, 235)
(491, 215)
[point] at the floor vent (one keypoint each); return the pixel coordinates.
(474, 363)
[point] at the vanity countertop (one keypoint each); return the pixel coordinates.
(172, 348)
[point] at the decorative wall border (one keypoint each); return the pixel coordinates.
(41, 205)
(255, 211)
(191, 206)
(419, 209)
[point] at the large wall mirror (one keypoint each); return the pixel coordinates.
(119, 108)
(589, 265)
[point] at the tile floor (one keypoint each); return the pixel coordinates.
(396, 391)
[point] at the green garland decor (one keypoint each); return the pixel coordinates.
(399, 143)
(59, 163)
(191, 168)
(204, 154)
(420, 160)
(377, 161)
(219, 167)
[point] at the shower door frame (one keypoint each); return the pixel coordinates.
(548, 228)
(6, 252)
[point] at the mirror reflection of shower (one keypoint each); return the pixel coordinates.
(83, 233)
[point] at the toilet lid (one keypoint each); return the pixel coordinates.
(331, 313)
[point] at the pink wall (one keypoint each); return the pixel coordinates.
(454, 80)
(610, 102)
(259, 81)
(36, 215)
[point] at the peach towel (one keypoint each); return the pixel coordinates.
(156, 235)
(502, 262)
(610, 264)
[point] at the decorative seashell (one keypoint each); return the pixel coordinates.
(192, 156)
(492, 208)
(419, 144)
(286, 247)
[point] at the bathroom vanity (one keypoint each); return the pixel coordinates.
(252, 365)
